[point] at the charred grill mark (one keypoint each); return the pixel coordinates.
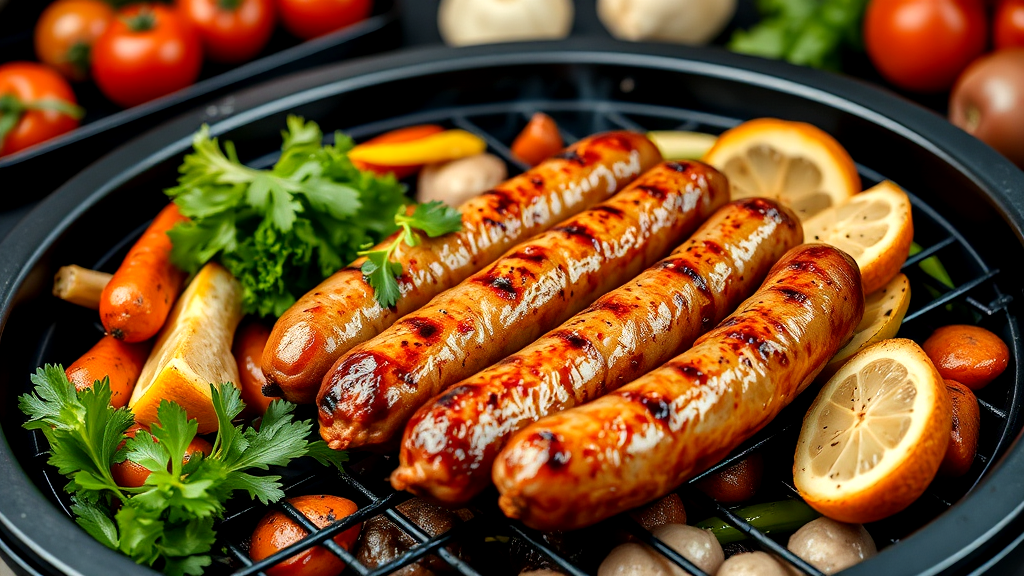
(449, 398)
(361, 373)
(767, 208)
(501, 201)
(557, 456)
(713, 247)
(610, 210)
(618, 309)
(750, 339)
(465, 326)
(571, 155)
(537, 181)
(679, 166)
(656, 192)
(493, 222)
(425, 328)
(691, 372)
(502, 286)
(792, 295)
(578, 232)
(573, 339)
(531, 254)
(653, 403)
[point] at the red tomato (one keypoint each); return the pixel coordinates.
(40, 100)
(147, 52)
(66, 32)
(1008, 28)
(311, 18)
(923, 45)
(539, 141)
(407, 134)
(232, 31)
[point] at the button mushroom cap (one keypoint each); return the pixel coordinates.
(678, 21)
(696, 545)
(459, 180)
(465, 22)
(832, 546)
(752, 564)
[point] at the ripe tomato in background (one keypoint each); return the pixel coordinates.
(36, 104)
(311, 18)
(147, 52)
(923, 45)
(1008, 27)
(67, 30)
(232, 31)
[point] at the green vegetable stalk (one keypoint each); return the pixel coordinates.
(168, 522)
(805, 32)
(279, 231)
(784, 516)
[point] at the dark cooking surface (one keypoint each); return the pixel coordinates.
(582, 87)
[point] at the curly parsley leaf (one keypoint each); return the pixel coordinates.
(279, 231)
(168, 523)
(434, 219)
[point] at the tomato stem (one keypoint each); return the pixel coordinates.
(13, 108)
(78, 56)
(229, 4)
(144, 21)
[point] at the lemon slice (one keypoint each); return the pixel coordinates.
(875, 436)
(795, 163)
(678, 145)
(875, 227)
(884, 310)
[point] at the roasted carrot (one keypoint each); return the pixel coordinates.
(407, 134)
(250, 340)
(539, 141)
(138, 298)
(120, 361)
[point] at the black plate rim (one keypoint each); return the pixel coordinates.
(954, 529)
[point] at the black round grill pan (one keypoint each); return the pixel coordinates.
(967, 211)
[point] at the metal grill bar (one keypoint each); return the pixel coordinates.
(647, 538)
(493, 143)
(948, 297)
(539, 545)
(928, 252)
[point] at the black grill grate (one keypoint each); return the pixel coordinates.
(973, 298)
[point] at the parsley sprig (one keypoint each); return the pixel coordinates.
(168, 522)
(279, 231)
(432, 218)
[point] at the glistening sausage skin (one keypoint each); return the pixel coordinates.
(586, 464)
(341, 312)
(450, 444)
(371, 392)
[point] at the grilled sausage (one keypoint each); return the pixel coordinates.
(450, 444)
(373, 389)
(639, 442)
(341, 312)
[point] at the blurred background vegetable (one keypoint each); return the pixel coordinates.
(988, 102)
(678, 21)
(66, 32)
(36, 104)
(232, 31)
(465, 22)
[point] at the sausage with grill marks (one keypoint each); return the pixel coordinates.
(372, 391)
(639, 442)
(450, 444)
(341, 312)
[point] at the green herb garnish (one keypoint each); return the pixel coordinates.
(168, 522)
(805, 32)
(279, 231)
(432, 218)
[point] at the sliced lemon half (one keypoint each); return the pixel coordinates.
(884, 310)
(795, 163)
(875, 227)
(875, 436)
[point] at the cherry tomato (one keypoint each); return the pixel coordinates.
(66, 32)
(1008, 27)
(276, 532)
(311, 18)
(407, 134)
(130, 474)
(232, 31)
(36, 104)
(923, 45)
(146, 53)
(539, 141)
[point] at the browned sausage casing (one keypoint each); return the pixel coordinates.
(341, 312)
(639, 442)
(374, 388)
(450, 444)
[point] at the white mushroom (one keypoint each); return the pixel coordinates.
(832, 546)
(752, 564)
(678, 21)
(465, 22)
(696, 545)
(459, 180)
